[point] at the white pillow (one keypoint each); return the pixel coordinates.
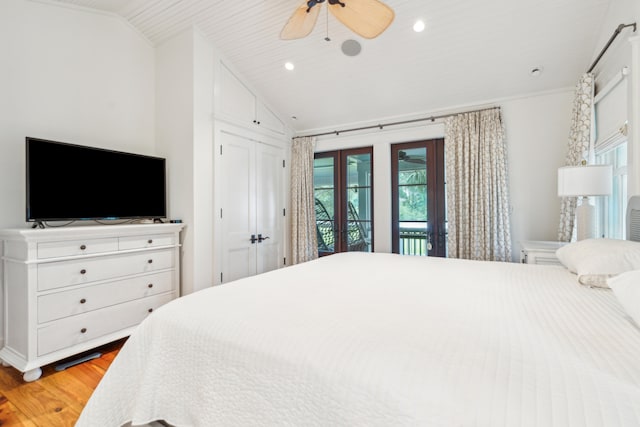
(626, 288)
(596, 260)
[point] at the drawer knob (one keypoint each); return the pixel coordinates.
(150, 261)
(150, 285)
(150, 241)
(83, 330)
(83, 271)
(83, 247)
(82, 301)
(150, 310)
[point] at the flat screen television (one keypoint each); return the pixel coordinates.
(75, 182)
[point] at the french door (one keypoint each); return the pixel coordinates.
(418, 198)
(343, 189)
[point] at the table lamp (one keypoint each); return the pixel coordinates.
(584, 181)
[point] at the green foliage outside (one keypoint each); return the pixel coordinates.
(412, 193)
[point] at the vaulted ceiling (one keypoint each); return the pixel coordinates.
(471, 51)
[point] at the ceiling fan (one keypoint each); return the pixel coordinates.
(367, 18)
(406, 158)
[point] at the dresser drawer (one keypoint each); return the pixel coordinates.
(139, 242)
(76, 247)
(66, 273)
(78, 301)
(542, 258)
(74, 330)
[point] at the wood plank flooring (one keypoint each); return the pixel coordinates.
(57, 398)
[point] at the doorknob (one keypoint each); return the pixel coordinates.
(260, 238)
(253, 239)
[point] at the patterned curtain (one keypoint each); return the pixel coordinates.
(304, 240)
(579, 142)
(477, 187)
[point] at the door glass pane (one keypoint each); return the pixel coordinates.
(359, 220)
(359, 203)
(359, 236)
(323, 172)
(412, 201)
(358, 170)
(324, 189)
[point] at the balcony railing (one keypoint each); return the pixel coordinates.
(412, 243)
(413, 238)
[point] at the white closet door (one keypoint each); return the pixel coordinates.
(269, 205)
(252, 206)
(239, 207)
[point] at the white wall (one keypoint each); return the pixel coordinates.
(73, 76)
(184, 106)
(203, 161)
(537, 127)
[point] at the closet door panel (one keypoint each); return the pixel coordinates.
(239, 207)
(269, 205)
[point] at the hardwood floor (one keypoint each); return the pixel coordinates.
(57, 398)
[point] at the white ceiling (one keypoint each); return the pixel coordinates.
(471, 51)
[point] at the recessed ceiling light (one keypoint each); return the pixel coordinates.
(289, 66)
(418, 27)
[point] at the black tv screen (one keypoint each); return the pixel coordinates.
(74, 182)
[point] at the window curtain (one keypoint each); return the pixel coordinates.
(477, 187)
(579, 142)
(304, 240)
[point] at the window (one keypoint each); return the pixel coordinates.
(343, 189)
(612, 209)
(611, 115)
(418, 198)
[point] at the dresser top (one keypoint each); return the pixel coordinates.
(58, 233)
(540, 245)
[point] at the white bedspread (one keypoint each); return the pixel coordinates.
(381, 340)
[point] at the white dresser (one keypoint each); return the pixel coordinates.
(70, 289)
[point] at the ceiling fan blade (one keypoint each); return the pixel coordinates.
(367, 18)
(301, 22)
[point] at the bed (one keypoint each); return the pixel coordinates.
(382, 340)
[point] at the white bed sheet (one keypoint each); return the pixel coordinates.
(381, 340)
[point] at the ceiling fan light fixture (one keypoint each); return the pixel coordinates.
(419, 26)
(366, 18)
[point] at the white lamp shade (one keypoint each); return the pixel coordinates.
(589, 180)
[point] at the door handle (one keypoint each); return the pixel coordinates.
(253, 239)
(261, 239)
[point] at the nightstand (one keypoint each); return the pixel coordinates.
(540, 252)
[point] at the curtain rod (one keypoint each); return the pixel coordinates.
(404, 122)
(613, 37)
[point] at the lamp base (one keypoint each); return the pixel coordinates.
(586, 220)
